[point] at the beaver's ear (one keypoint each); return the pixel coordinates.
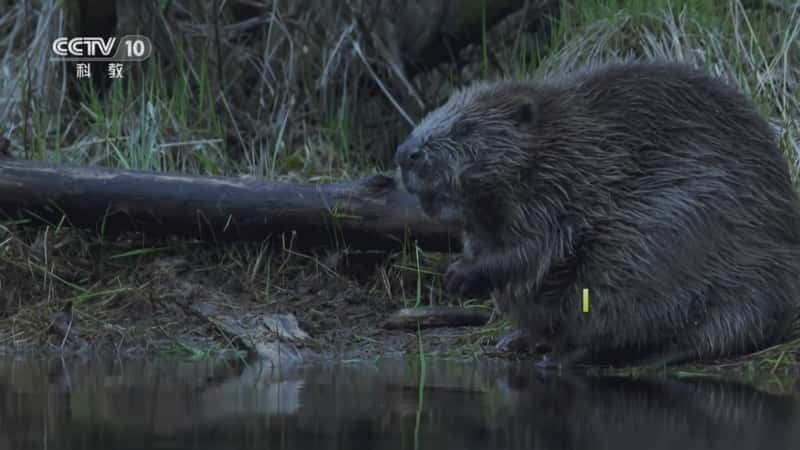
(524, 113)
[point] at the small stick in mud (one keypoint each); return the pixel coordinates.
(437, 316)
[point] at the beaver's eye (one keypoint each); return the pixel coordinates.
(523, 114)
(461, 129)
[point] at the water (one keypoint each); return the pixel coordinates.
(168, 404)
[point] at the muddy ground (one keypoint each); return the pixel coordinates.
(200, 299)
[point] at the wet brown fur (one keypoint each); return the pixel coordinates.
(655, 186)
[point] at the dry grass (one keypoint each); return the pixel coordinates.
(298, 93)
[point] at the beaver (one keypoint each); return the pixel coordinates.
(658, 188)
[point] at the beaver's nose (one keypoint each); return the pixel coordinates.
(408, 153)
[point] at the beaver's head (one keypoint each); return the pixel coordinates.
(472, 147)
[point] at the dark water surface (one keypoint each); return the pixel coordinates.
(100, 405)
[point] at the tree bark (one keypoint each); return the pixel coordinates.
(372, 213)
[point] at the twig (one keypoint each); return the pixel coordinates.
(380, 84)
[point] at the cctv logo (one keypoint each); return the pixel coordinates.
(133, 47)
(83, 46)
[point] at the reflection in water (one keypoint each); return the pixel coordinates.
(182, 405)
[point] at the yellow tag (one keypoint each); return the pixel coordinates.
(586, 300)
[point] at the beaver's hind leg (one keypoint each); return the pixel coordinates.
(670, 357)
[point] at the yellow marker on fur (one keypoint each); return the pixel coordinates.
(586, 300)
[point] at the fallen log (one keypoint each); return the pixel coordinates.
(371, 213)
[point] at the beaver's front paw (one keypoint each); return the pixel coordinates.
(463, 278)
(517, 341)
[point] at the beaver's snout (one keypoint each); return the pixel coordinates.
(408, 153)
